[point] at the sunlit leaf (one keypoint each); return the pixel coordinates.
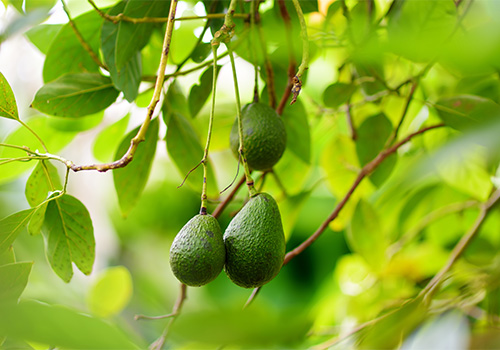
(69, 237)
(31, 5)
(111, 292)
(130, 180)
(337, 94)
(297, 130)
(201, 52)
(42, 35)
(79, 124)
(128, 78)
(11, 226)
(13, 280)
(67, 55)
(175, 101)
(7, 257)
(43, 179)
(20, 23)
(8, 106)
(107, 141)
(60, 327)
(199, 93)
(290, 209)
(366, 236)
(75, 95)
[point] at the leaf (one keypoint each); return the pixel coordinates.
(465, 112)
(21, 23)
(107, 141)
(13, 280)
(67, 55)
(11, 226)
(337, 94)
(69, 237)
(298, 131)
(43, 35)
(75, 95)
(7, 257)
(183, 146)
(31, 5)
(199, 93)
(201, 52)
(131, 180)
(372, 136)
(81, 124)
(365, 235)
(61, 327)
(290, 209)
(8, 106)
(175, 101)
(43, 180)
(128, 78)
(111, 292)
(131, 37)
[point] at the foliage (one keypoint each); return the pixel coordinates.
(387, 188)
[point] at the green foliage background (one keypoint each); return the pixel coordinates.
(82, 253)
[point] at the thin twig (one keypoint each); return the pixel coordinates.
(394, 134)
(220, 208)
(297, 82)
(354, 134)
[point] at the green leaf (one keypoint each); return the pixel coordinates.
(337, 94)
(131, 37)
(111, 292)
(200, 93)
(467, 111)
(61, 327)
(80, 124)
(297, 131)
(75, 95)
(201, 52)
(13, 280)
(184, 40)
(365, 235)
(183, 146)
(107, 141)
(21, 23)
(43, 35)
(31, 5)
(54, 141)
(8, 106)
(11, 226)
(175, 101)
(7, 257)
(43, 180)
(69, 237)
(131, 180)
(67, 55)
(372, 136)
(128, 78)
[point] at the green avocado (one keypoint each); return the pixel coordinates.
(264, 136)
(197, 253)
(255, 243)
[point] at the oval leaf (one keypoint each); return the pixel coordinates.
(337, 94)
(43, 180)
(131, 180)
(13, 280)
(297, 130)
(11, 226)
(111, 292)
(69, 237)
(8, 106)
(75, 95)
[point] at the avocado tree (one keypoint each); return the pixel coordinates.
(267, 174)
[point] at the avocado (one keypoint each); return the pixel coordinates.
(197, 253)
(264, 136)
(255, 243)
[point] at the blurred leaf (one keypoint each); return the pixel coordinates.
(107, 141)
(337, 94)
(201, 52)
(75, 95)
(183, 145)
(130, 180)
(447, 331)
(7, 257)
(175, 102)
(20, 23)
(365, 235)
(394, 326)
(69, 237)
(8, 106)
(111, 292)
(54, 141)
(11, 226)
(372, 136)
(67, 55)
(184, 40)
(128, 78)
(200, 92)
(465, 112)
(13, 280)
(144, 98)
(31, 5)
(81, 124)
(61, 327)
(132, 37)
(37, 219)
(290, 209)
(149, 54)
(371, 74)
(297, 130)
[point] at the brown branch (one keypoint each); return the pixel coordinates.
(394, 134)
(354, 134)
(220, 208)
(458, 250)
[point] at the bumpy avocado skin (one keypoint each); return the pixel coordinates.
(264, 136)
(255, 243)
(197, 254)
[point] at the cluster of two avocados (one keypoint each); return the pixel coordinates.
(252, 249)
